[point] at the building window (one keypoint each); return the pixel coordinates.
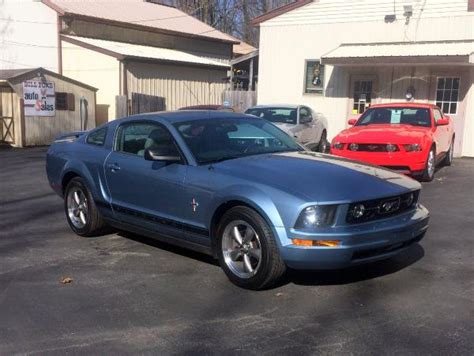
(362, 96)
(64, 101)
(447, 94)
(314, 77)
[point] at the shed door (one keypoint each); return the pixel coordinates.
(7, 132)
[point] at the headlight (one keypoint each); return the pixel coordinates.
(391, 148)
(338, 145)
(412, 147)
(316, 216)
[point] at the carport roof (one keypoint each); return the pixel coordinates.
(122, 50)
(436, 52)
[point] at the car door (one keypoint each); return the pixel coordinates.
(145, 193)
(441, 133)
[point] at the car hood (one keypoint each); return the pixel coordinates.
(383, 134)
(318, 177)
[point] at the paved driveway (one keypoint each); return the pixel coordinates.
(130, 294)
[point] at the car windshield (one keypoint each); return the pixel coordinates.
(283, 115)
(396, 116)
(214, 140)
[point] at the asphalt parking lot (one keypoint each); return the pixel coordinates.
(130, 294)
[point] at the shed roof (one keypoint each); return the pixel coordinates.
(122, 50)
(431, 51)
(140, 13)
(14, 75)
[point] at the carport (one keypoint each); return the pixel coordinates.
(36, 105)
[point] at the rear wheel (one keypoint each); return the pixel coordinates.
(81, 212)
(448, 160)
(430, 166)
(247, 249)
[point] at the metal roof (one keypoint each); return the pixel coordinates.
(128, 50)
(430, 50)
(140, 13)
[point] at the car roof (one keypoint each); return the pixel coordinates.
(404, 104)
(289, 106)
(187, 115)
(202, 107)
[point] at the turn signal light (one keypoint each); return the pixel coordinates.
(326, 243)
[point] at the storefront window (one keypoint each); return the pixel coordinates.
(314, 77)
(447, 94)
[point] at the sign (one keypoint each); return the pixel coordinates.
(39, 98)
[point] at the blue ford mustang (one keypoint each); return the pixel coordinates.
(236, 187)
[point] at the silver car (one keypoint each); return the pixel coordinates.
(306, 126)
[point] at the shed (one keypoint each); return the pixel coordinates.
(37, 104)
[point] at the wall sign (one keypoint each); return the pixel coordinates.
(39, 98)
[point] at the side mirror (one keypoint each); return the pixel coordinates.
(442, 122)
(156, 155)
(352, 122)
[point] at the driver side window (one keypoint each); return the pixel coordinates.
(135, 138)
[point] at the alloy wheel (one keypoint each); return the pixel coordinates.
(241, 249)
(431, 163)
(77, 208)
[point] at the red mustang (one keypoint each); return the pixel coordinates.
(410, 138)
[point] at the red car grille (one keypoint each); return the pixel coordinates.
(370, 147)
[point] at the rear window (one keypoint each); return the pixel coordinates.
(97, 137)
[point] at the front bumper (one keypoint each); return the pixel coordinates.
(403, 162)
(360, 243)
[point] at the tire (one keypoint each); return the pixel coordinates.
(323, 143)
(234, 257)
(82, 214)
(430, 166)
(448, 160)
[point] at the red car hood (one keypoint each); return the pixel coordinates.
(383, 134)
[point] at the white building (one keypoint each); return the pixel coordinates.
(337, 56)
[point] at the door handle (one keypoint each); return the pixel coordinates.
(114, 167)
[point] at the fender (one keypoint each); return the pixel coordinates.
(98, 191)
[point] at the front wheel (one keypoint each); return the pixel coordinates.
(247, 250)
(81, 211)
(430, 166)
(323, 143)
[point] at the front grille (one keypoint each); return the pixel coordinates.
(382, 208)
(397, 168)
(371, 147)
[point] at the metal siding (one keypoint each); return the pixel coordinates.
(180, 85)
(340, 11)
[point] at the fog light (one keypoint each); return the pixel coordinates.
(353, 146)
(325, 243)
(338, 146)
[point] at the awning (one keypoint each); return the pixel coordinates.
(122, 50)
(433, 52)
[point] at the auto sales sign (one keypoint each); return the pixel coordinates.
(39, 98)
